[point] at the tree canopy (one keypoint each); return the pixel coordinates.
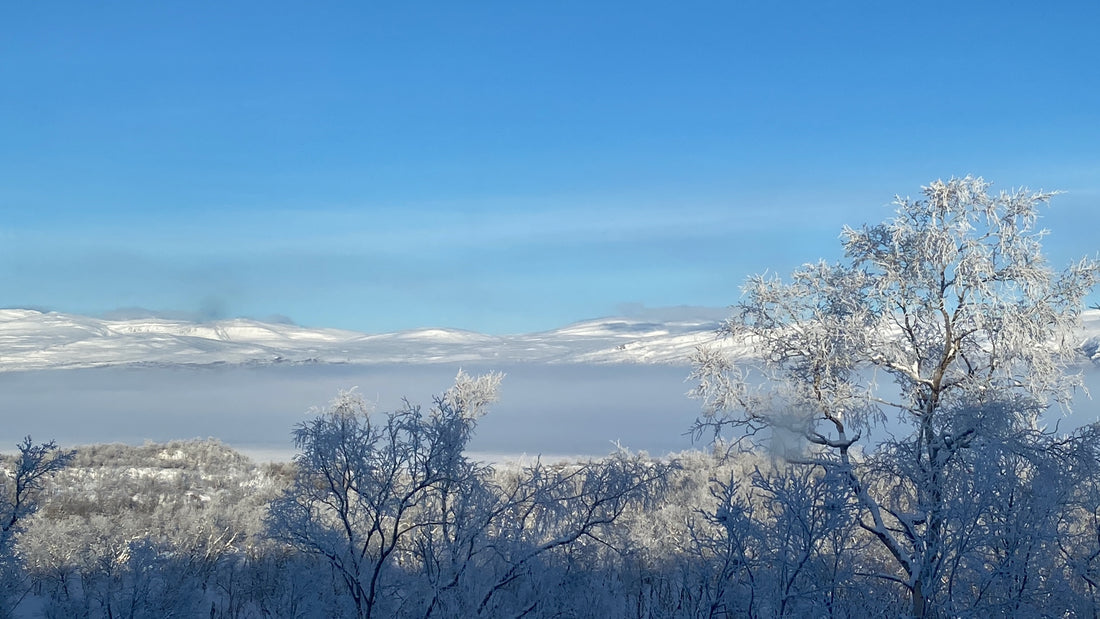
(944, 329)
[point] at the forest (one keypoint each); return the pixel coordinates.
(890, 448)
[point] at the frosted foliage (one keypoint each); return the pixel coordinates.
(951, 299)
(471, 394)
(22, 481)
(411, 527)
(963, 297)
(363, 480)
(946, 320)
(128, 532)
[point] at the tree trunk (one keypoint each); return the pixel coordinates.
(918, 600)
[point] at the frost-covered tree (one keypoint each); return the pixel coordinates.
(411, 527)
(557, 527)
(363, 480)
(22, 478)
(143, 531)
(943, 334)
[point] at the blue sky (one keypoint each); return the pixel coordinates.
(508, 166)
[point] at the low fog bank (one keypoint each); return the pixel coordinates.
(553, 410)
(550, 410)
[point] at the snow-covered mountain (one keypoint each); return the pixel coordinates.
(35, 340)
(1090, 320)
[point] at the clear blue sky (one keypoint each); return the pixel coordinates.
(507, 166)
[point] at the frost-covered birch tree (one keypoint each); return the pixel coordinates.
(411, 527)
(364, 482)
(942, 334)
(22, 478)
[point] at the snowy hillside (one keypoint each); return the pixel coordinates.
(1090, 320)
(37, 340)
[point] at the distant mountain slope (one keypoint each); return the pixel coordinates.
(35, 340)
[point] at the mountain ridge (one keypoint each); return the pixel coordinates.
(36, 340)
(32, 339)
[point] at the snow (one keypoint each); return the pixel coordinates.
(1090, 320)
(31, 340)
